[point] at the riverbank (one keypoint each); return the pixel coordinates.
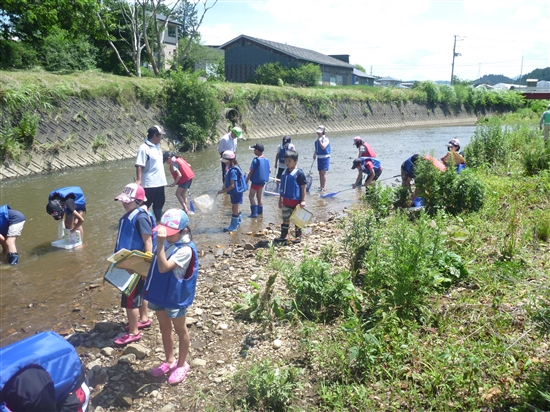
(221, 342)
(88, 118)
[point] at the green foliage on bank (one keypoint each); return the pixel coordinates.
(446, 308)
(274, 74)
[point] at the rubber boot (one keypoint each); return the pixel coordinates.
(298, 233)
(234, 224)
(284, 234)
(253, 211)
(240, 218)
(13, 258)
(260, 210)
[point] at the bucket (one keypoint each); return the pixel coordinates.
(204, 203)
(301, 217)
(418, 202)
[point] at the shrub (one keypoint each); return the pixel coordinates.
(381, 199)
(270, 73)
(191, 110)
(16, 55)
(536, 157)
(60, 52)
(448, 191)
(270, 387)
(274, 73)
(317, 293)
(489, 146)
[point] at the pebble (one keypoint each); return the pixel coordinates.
(223, 326)
(217, 313)
(138, 350)
(199, 311)
(198, 362)
(190, 321)
(277, 343)
(107, 351)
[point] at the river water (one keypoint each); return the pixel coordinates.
(50, 288)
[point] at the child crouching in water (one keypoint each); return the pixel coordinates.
(293, 194)
(170, 289)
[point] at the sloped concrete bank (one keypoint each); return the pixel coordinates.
(85, 132)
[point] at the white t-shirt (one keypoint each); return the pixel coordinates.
(149, 156)
(181, 258)
(227, 143)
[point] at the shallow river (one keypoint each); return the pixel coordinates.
(49, 288)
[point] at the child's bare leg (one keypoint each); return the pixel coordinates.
(251, 196)
(181, 198)
(235, 209)
(184, 339)
(144, 312)
(259, 194)
(167, 337)
(133, 316)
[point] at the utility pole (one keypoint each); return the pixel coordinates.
(520, 71)
(455, 54)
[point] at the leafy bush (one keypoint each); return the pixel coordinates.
(317, 293)
(448, 191)
(488, 146)
(61, 52)
(381, 199)
(303, 75)
(407, 263)
(270, 387)
(17, 55)
(536, 157)
(191, 110)
(358, 230)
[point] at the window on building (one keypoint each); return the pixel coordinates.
(171, 31)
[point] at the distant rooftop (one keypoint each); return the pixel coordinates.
(296, 52)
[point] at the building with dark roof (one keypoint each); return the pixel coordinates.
(244, 54)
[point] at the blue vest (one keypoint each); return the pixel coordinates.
(128, 235)
(70, 191)
(289, 188)
(408, 165)
(460, 167)
(163, 289)
(375, 162)
(4, 219)
(240, 183)
(282, 151)
(319, 151)
(48, 350)
(261, 172)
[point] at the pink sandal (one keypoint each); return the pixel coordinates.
(178, 375)
(126, 339)
(164, 368)
(141, 325)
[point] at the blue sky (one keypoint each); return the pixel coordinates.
(408, 40)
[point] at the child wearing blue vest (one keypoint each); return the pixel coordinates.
(135, 230)
(11, 226)
(322, 154)
(368, 165)
(259, 176)
(170, 289)
(68, 202)
(293, 194)
(235, 185)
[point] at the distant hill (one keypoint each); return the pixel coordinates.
(493, 79)
(539, 74)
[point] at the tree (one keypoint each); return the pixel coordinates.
(199, 57)
(359, 67)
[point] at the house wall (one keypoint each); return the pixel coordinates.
(243, 57)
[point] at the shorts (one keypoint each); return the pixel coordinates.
(170, 312)
(323, 164)
(286, 211)
(15, 229)
(376, 174)
(186, 185)
(134, 300)
(257, 186)
(236, 199)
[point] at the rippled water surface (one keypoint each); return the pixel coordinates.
(50, 288)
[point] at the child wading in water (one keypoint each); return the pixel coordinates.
(235, 186)
(259, 176)
(293, 194)
(135, 229)
(170, 289)
(183, 177)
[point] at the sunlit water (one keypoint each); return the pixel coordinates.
(49, 288)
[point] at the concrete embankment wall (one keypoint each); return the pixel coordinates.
(85, 132)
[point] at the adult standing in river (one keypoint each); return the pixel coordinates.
(229, 142)
(150, 170)
(322, 154)
(545, 120)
